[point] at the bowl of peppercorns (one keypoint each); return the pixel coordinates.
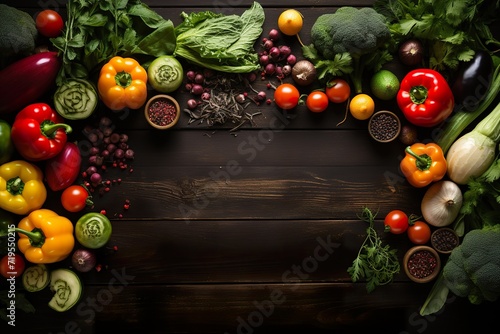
(444, 240)
(162, 111)
(421, 264)
(384, 126)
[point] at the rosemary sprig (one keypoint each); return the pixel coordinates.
(377, 263)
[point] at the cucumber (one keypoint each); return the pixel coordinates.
(67, 287)
(165, 74)
(76, 99)
(36, 278)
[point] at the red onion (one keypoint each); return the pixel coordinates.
(273, 34)
(83, 260)
(274, 53)
(192, 104)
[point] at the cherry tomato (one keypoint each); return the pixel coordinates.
(338, 90)
(14, 265)
(396, 222)
(286, 96)
(317, 101)
(75, 198)
(419, 233)
(49, 23)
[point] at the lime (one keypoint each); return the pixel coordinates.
(384, 85)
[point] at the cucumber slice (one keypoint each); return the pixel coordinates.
(67, 287)
(36, 278)
(76, 99)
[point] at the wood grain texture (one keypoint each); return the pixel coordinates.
(249, 231)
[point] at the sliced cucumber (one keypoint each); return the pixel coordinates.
(67, 287)
(76, 99)
(36, 278)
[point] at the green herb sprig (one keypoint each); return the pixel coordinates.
(450, 30)
(96, 30)
(377, 263)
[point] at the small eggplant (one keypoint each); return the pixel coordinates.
(63, 169)
(473, 80)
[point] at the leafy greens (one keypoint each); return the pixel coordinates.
(98, 30)
(221, 42)
(450, 30)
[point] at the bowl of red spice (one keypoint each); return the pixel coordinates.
(384, 126)
(422, 264)
(162, 111)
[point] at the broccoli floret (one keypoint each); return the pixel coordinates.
(361, 34)
(17, 33)
(473, 268)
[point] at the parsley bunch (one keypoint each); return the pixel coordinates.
(481, 204)
(376, 262)
(451, 31)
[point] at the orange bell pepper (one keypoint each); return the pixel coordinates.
(123, 83)
(423, 164)
(45, 237)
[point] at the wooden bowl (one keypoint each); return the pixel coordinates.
(422, 264)
(162, 111)
(379, 123)
(444, 239)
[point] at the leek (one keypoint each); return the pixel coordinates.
(456, 124)
(473, 153)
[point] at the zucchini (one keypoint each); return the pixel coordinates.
(76, 99)
(36, 278)
(67, 287)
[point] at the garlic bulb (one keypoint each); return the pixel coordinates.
(441, 203)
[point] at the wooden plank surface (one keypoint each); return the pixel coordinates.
(249, 231)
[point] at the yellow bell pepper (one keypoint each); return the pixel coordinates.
(45, 237)
(123, 83)
(21, 187)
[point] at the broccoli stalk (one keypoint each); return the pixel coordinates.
(347, 42)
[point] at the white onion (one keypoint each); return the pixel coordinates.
(441, 203)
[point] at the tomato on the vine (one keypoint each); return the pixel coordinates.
(338, 90)
(75, 198)
(12, 264)
(396, 222)
(286, 96)
(49, 23)
(419, 233)
(317, 101)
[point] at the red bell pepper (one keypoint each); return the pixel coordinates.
(425, 98)
(38, 132)
(63, 169)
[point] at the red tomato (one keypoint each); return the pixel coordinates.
(49, 23)
(317, 101)
(14, 265)
(396, 222)
(75, 198)
(286, 96)
(419, 233)
(338, 90)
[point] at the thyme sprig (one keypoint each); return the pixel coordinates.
(377, 263)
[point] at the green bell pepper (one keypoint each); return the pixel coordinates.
(6, 146)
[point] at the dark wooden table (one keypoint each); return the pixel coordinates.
(249, 231)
